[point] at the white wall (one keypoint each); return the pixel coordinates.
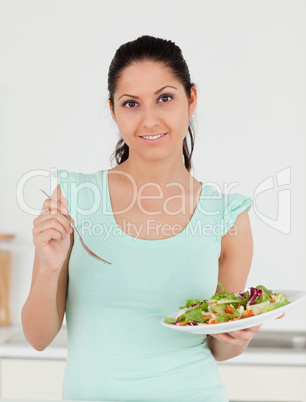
(248, 62)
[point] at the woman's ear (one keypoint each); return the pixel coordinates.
(192, 100)
(112, 112)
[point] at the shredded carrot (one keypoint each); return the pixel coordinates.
(248, 313)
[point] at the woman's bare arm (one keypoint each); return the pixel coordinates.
(234, 267)
(43, 312)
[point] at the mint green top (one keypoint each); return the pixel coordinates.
(117, 348)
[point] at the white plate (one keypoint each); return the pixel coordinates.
(293, 296)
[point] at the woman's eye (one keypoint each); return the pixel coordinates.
(126, 103)
(164, 97)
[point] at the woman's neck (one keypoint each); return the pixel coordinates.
(156, 172)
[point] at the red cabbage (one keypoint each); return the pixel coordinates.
(254, 295)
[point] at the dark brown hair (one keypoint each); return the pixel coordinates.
(149, 48)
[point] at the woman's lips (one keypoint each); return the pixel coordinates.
(155, 140)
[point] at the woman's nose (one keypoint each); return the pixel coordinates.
(150, 118)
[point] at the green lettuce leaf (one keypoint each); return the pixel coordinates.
(273, 306)
(195, 314)
(221, 318)
(263, 298)
(268, 292)
(226, 298)
(259, 307)
(235, 314)
(190, 302)
(220, 309)
(280, 297)
(169, 320)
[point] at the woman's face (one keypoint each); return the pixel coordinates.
(148, 101)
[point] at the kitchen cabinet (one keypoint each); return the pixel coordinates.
(264, 383)
(31, 378)
(42, 379)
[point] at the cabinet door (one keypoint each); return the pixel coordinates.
(32, 378)
(264, 383)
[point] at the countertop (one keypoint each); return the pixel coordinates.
(14, 345)
(39, 400)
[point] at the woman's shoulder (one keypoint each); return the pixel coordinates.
(65, 175)
(224, 204)
(215, 194)
(73, 183)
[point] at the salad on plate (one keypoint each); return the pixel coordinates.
(223, 307)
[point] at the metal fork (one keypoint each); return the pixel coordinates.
(81, 240)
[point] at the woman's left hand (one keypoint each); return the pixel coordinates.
(240, 337)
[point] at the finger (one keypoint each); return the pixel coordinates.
(45, 236)
(46, 218)
(241, 335)
(54, 206)
(64, 201)
(256, 328)
(61, 206)
(246, 331)
(51, 224)
(228, 339)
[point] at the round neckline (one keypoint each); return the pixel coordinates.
(126, 237)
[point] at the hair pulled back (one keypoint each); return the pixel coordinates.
(150, 48)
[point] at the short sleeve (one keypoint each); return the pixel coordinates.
(233, 205)
(69, 183)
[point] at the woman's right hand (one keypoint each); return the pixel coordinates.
(51, 234)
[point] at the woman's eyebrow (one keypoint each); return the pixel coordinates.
(155, 93)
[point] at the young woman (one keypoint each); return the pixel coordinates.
(168, 237)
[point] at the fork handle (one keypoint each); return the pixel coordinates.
(71, 224)
(79, 236)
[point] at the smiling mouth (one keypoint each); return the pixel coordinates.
(155, 136)
(154, 140)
